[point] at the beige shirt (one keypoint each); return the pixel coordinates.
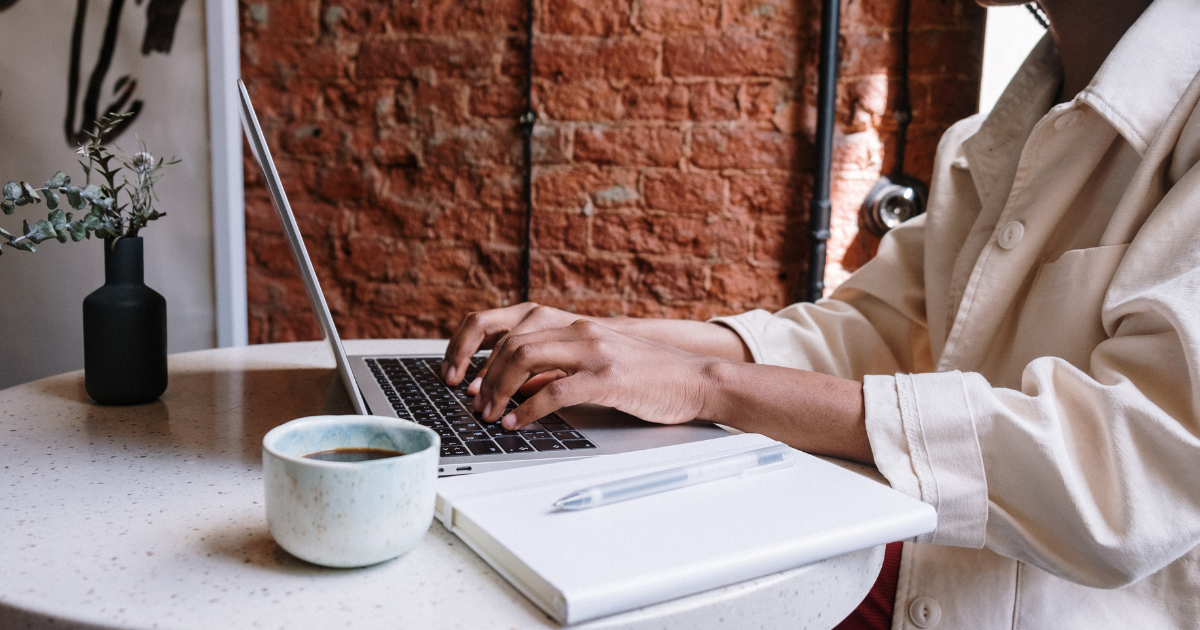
(1030, 349)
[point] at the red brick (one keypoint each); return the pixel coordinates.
(580, 100)
(550, 145)
(579, 58)
(458, 16)
(654, 102)
(746, 287)
(575, 186)
(764, 101)
(629, 146)
(586, 17)
(343, 183)
(474, 145)
(670, 282)
(686, 193)
(497, 101)
(941, 52)
(781, 17)
(559, 231)
(396, 59)
(680, 16)
(446, 101)
(729, 56)
(713, 101)
(674, 236)
(284, 20)
(741, 147)
(582, 275)
(763, 193)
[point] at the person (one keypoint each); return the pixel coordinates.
(1024, 357)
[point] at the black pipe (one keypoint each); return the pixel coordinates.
(818, 209)
(527, 121)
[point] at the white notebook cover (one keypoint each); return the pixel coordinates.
(579, 565)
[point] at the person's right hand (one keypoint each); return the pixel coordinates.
(483, 330)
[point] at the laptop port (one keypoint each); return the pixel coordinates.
(463, 469)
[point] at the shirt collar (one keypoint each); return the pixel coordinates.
(1152, 65)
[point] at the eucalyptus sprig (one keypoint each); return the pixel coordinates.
(105, 216)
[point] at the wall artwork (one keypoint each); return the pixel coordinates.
(64, 64)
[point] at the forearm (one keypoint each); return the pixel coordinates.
(687, 335)
(812, 412)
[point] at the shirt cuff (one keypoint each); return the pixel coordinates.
(924, 442)
(744, 325)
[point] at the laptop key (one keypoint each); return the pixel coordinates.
(513, 444)
(484, 448)
(578, 444)
(568, 435)
(454, 450)
(547, 445)
(473, 436)
(444, 431)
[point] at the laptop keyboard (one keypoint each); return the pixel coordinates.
(417, 393)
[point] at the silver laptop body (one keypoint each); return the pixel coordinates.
(373, 382)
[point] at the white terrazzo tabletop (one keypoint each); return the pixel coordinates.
(152, 517)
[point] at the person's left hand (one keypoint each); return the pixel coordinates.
(652, 381)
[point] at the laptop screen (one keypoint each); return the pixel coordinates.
(258, 146)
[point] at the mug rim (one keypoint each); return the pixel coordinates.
(408, 425)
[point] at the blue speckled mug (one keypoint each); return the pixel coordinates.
(341, 514)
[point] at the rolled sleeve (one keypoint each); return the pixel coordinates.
(924, 442)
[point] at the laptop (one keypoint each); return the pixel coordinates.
(409, 387)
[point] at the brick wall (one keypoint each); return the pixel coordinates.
(673, 151)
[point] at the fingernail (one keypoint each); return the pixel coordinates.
(475, 384)
(487, 410)
(510, 421)
(450, 373)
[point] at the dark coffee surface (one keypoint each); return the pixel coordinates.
(353, 454)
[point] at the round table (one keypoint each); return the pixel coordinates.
(152, 516)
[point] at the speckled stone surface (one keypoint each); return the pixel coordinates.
(152, 517)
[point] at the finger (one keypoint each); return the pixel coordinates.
(535, 319)
(520, 357)
(538, 381)
(564, 392)
(474, 329)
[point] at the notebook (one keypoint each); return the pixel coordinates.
(580, 565)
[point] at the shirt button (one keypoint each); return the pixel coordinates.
(1068, 120)
(1011, 234)
(924, 612)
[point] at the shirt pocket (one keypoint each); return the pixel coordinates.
(1061, 313)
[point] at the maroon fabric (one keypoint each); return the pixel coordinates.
(875, 611)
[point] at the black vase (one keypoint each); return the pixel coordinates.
(124, 331)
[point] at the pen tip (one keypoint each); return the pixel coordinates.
(558, 503)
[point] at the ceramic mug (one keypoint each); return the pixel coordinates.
(349, 514)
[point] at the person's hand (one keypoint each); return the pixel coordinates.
(650, 380)
(483, 330)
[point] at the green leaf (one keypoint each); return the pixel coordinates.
(105, 204)
(41, 231)
(78, 230)
(75, 199)
(51, 200)
(31, 192)
(58, 219)
(92, 193)
(12, 191)
(6, 234)
(59, 180)
(7, 206)
(26, 246)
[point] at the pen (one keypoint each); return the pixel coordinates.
(758, 460)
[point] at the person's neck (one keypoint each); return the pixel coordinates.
(1085, 32)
